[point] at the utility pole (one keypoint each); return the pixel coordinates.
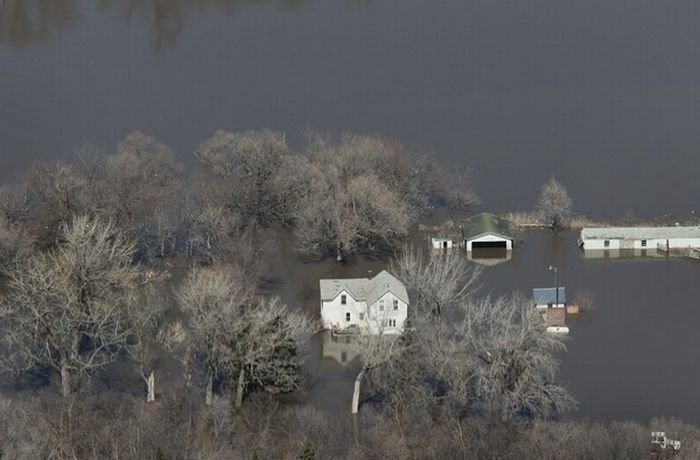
(556, 283)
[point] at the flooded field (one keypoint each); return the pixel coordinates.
(601, 94)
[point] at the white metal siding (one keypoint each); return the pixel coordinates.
(333, 314)
(674, 243)
(490, 239)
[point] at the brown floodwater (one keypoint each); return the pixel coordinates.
(602, 94)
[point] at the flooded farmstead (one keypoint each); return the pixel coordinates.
(337, 228)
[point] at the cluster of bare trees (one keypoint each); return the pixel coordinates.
(115, 263)
(463, 355)
(115, 266)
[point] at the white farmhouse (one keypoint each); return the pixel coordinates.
(376, 305)
(621, 238)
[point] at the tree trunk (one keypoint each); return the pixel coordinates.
(240, 388)
(356, 391)
(209, 398)
(151, 387)
(66, 389)
(339, 251)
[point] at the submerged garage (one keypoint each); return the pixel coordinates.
(486, 231)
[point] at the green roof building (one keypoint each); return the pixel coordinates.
(486, 230)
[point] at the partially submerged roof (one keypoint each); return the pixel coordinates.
(639, 233)
(485, 223)
(548, 295)
(364, 289)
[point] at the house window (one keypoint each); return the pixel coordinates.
(392, 322)
(644, 243)
(381, 305)
(606, 243)
(343, 299)
(347, 317)
(396, 304)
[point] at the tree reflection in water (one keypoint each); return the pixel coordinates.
(26, 22)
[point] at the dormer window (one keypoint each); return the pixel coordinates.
(343, 299)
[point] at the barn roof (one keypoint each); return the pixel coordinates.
(483, 223)
(548, 295)
(639, 233)
(364, 289)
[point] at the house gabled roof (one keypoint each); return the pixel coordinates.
(364, 289)
(485, 223)
(548, 295)
(386, 282)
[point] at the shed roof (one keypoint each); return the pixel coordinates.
(548, 295)
(484, 223)
(364, 289)
(639, 233)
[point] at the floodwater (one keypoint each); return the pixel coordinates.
(602, 94)
(632, 357)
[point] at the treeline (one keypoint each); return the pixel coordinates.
(139, 319)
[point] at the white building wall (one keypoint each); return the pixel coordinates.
(490, 239)
(674, 243)
(334, 313)
(387, 320)
(373, 320)
(439, 243)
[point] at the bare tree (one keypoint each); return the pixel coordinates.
(377, 350)
(252, 171)
(140, 177)
(503, 361)
(211, 297)
(554, 205)
(264, 348)
(340, 216)
(437, 281)
(68, 308)
(251, 342)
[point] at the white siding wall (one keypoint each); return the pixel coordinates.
(489, 239)
(333, 313)
(438, 243)
(381, 321)
(674, 243)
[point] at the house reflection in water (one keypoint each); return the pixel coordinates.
(340, 348)
(489, 256)
(624, 253)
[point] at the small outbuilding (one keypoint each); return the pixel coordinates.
(441, 242)
(549, 298)
(622, 238)
(486, 231)
(551, 303)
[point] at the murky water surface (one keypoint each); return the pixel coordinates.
(632, 357)
(602, 94)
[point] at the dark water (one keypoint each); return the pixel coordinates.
(632, 357)
(602, 94)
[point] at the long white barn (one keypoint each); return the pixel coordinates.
(666, 238)
(372, 306)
